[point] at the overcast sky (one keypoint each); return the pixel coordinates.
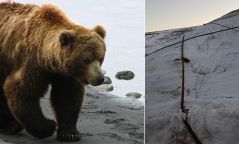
(170, 14)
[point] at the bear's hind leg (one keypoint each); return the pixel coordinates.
(5, 114)
(66, 98)
(23, 97)
(8, 124)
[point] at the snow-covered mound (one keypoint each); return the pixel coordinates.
(211, 84)
(163, 38)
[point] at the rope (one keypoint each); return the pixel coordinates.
(230, 28)
(222, 25)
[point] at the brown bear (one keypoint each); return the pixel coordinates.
(40, 46)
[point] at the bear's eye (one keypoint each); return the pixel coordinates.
(87, 61)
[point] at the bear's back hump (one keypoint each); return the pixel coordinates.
(15, 8)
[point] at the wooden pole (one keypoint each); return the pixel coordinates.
(182, 60)
(189, 128)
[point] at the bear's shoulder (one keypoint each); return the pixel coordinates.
(51, 14)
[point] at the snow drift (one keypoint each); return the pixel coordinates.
(211, 84)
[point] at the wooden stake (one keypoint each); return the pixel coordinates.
(182, 60)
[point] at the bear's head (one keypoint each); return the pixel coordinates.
(84, 51)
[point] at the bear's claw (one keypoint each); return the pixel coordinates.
(68, 136)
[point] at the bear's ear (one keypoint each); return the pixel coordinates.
(66, 38)
(100, 30)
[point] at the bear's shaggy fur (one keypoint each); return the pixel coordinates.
(41, 46)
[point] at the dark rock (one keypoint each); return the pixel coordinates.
(126, 75)
(186, 60)
(107, 80)
(134, 95)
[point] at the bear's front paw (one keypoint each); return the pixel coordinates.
(67, 136)
(43, 130)
(13, 127)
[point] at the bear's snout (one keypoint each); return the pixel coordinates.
(95, 75)
(100, 80)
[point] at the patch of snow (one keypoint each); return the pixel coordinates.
(211, 84)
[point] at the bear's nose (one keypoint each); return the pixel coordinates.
(100, 80)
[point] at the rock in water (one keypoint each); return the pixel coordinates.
(106, 87)
(134, 95)
(107, 80)
(126, 75)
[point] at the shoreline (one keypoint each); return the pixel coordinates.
(104, 118)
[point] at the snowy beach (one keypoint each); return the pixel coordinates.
(211, 84)
(104, 119)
